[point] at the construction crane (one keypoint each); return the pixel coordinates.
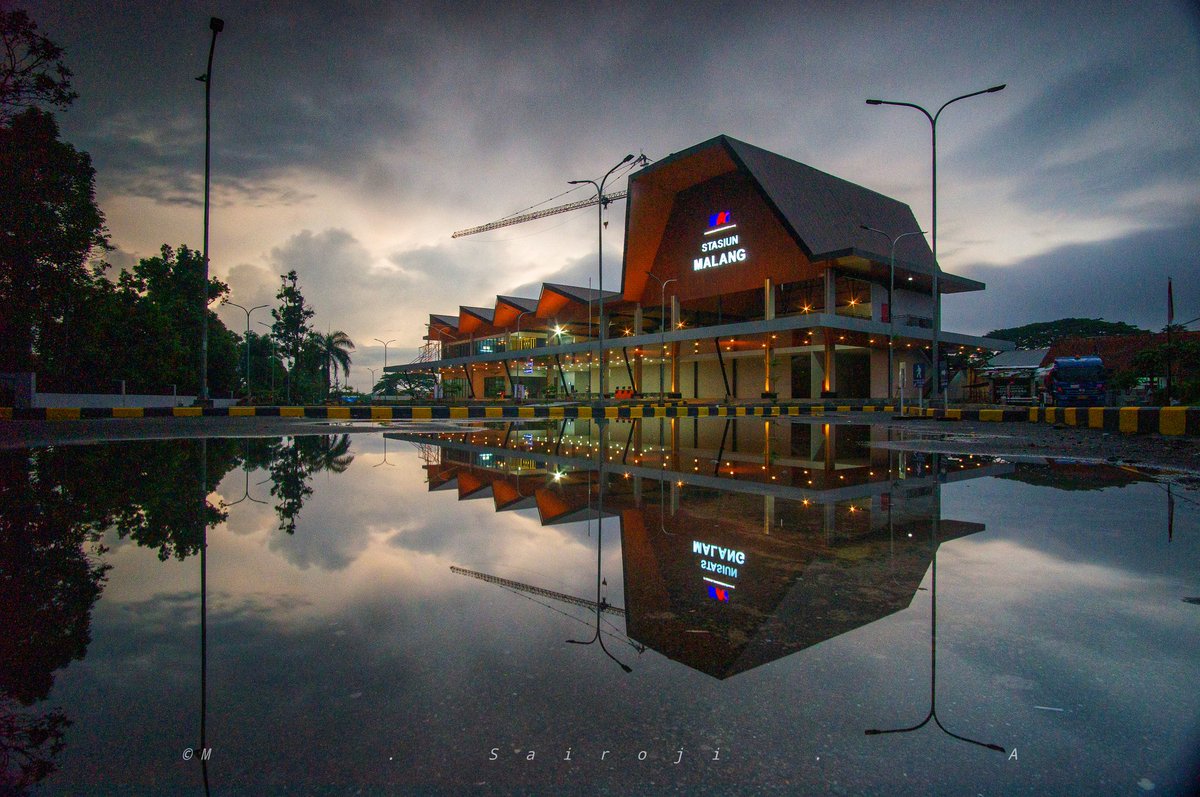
(608, 199)
(545, 593)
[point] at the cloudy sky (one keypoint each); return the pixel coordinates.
(351, 139)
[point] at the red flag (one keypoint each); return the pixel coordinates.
(1170, 304)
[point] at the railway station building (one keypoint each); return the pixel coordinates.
(746, 275)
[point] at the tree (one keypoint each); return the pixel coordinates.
(334, 350)
(406, 382)
(291, 329)
(143, 328)
(1046, 333)
(31, 69)
(49, 226)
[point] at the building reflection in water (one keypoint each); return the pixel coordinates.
(742, 540)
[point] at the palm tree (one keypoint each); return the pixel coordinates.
(334, 349)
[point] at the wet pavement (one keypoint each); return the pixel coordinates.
(703, 605)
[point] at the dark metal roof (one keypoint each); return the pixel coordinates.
(527, 305)
(483, 313)
(448, 320)
(580, 294)
(827, 213)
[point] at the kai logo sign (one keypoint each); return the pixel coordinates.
(719, 250)
(724, 220)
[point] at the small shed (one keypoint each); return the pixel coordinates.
(1012, 376)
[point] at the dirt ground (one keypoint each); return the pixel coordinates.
(1013, 439)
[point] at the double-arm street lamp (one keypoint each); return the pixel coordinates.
(385, 345)
(247, 312)
(937, 299)
(662, 326)
(891, 292)
(600, 203)
(216, 26)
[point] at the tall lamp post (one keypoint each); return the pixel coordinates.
(600, 203)
(891, 292)
(247, 312)
(937, 298)
(385, 345)
(216, 26)
(662, 326)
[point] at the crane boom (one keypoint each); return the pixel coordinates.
(545, 593)
(540, 214)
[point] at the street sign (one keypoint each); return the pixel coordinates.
(918, 374)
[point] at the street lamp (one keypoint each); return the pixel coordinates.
(891, 289)
(385, 345)
(216, 26)
(937, 298)
(600, 203)
(662, 326)
(372, 370)
(247, 312)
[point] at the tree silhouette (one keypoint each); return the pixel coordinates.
(334, 350)
(31, 68)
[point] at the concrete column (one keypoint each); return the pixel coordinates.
(675, 367)
(675, 442)
(830, 291)
(830, 382)
(767, 366)
(637, 320)
(768, 300)
(674, 312)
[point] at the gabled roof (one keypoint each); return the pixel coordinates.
(475, 319)
(519, 302)
(556, 296)
(824, 214)
(510, 308)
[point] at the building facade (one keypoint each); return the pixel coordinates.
(746, 275)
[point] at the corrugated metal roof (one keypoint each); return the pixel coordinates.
(1019, 358)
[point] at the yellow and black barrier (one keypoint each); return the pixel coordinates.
(446, 412)
(1129, 420)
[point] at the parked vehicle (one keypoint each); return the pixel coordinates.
(1077, 382)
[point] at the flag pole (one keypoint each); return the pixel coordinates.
(1170, 323)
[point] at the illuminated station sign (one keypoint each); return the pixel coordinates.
(723, 250)
(721, 567)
